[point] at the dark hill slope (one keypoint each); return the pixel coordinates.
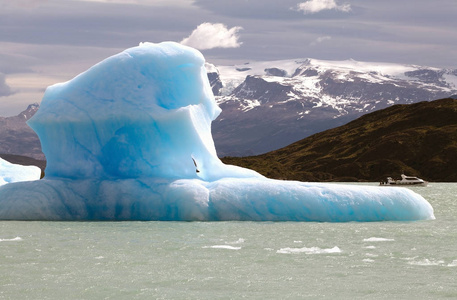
(416, 139)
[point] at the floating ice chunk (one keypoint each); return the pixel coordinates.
(15, 173)
(130, 139)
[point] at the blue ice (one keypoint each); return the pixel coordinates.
(130, 139)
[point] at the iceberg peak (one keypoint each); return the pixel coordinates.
(142, 113)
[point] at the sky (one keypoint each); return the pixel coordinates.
(43, 42)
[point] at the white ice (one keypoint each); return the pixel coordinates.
(130, 139)
(15, 173)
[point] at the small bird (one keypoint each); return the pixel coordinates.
(195, 163)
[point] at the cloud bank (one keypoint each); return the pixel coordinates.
(315, 6)
(209, 36)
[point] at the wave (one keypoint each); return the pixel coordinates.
(223, 247)
(11, 240)
(378, 239)
(312, 250)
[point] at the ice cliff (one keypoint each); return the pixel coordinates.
(130, 139)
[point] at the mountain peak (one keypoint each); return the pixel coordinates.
(29, 112)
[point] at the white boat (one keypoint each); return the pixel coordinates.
(405, 180)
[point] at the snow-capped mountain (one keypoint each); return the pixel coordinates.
(268, 105)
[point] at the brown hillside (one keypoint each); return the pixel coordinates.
(416, 139)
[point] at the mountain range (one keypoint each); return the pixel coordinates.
(268, 105)
(416, 139)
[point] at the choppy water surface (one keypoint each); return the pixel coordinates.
(233, 260)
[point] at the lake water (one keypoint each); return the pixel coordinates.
(233, 260)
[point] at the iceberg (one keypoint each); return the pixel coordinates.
(15, 173)
(130, 139)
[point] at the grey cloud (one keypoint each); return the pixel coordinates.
(95, 24)
(59, 39)
(272, 30)
(264, 9)
(8, 66)
(267, 9)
